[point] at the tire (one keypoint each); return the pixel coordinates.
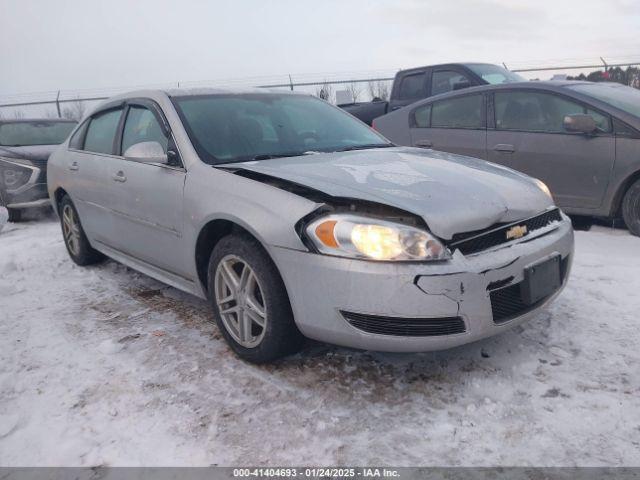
(631, 208)
(253, 337)
(15, 215)
(78, 247)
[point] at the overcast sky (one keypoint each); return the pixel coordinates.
(91, 44)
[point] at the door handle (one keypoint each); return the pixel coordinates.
(119, 177)
(74, 166)
(505, 148)
(424, 144)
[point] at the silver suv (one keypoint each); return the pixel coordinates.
(295, 219)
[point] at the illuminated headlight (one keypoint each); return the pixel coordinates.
(543, 186)
(354, 236)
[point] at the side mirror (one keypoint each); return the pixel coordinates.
(580, 123)
(146, 152)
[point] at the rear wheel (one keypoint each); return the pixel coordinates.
(80, 251)
(631, 208)
(15, 215)
(250, 301)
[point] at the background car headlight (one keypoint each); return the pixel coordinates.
(354, 236)
(543, 186)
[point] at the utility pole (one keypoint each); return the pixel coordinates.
(58, 104)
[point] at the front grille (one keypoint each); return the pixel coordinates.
(507, 303)
(405, 327)
(477, 241)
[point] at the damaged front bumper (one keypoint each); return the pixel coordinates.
(412, 307)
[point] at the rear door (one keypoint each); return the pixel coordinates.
(528, 135)
(90, 150)
(148, 202)
(455, 125)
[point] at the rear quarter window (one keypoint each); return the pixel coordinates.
(102, 131)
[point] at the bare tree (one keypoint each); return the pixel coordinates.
(378, 90)
(75, 110)
(18, 114)
(325, 92)
(51, 114)
(354, 90)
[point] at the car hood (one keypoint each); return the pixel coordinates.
(452, 193)
(36, 153)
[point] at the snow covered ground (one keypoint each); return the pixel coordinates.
(104, 366)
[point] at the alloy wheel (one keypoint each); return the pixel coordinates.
(240, 301)
(71, 229)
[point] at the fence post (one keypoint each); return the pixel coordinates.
(58, 104)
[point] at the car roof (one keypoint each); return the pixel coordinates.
(185, 92)
(38, 120)
(554, 85)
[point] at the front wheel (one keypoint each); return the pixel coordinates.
(631, 208)
(79, 248)
(250, 301)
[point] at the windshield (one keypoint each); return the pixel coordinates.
(620, 96)
(493, 74)
(21, 134)
(240, 127)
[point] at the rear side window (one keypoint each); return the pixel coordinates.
(142, 126)
(102, 131)
(540, 112)
(461, 112)
(412, 86)
(422, 116)
(448, 80)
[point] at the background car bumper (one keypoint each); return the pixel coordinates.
(321, 288)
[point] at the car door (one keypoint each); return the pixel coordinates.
(456, 125)
(528, 135)
(148, 202)
(90, 150)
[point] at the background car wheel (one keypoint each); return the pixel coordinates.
(631, 208)
(14, 215)
(80, 251)
(250, 301)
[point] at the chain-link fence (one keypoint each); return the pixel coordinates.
(331, 87)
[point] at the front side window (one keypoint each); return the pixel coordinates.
(102, 131)
(448, 80)
(540, 112)
(620, 96)
(241, 127)
(461, 112)
(412, 86)
(142, 126)
(41, 132)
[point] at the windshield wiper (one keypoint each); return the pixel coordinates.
(365, 147)
(269, 156)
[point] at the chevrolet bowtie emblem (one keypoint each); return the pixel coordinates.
(518, 231)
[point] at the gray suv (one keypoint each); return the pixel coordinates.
(582, 139)
(295, 219)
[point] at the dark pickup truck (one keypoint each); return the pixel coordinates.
(417, 83)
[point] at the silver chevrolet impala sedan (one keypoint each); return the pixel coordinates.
(297, 220)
